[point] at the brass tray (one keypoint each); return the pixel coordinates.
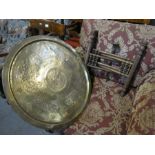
(45, 81)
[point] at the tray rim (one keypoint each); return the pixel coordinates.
(6, 80)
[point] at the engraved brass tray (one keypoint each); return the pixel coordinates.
(46, 82)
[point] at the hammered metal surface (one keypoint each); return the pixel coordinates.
(48, 82)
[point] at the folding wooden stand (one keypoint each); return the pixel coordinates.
(99, 60)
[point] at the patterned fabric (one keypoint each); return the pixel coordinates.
(129, 37)
(106, 113)
(143, 114)
(12, 31)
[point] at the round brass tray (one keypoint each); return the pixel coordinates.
(45, 81)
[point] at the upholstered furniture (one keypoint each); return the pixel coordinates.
(12, 31)
(107, 112)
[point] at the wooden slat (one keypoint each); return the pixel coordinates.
(140, 21)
